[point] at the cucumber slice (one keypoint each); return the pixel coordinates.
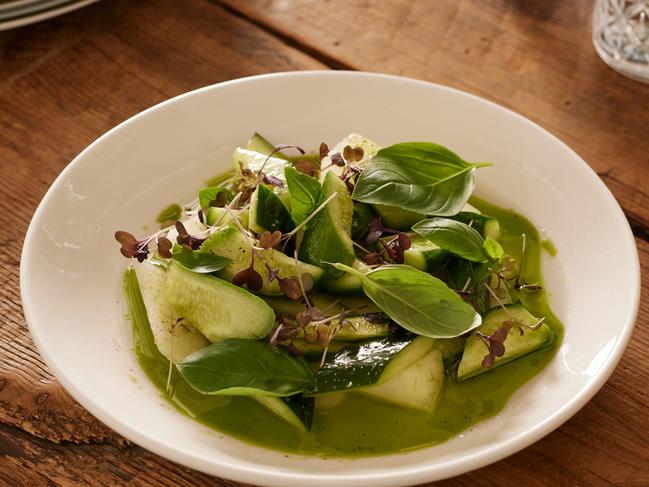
(229, 242)
(258, 143)
(361, 218)
(255, 160)
(354, 305)
(450, 348)
(295, 410)
(412, 353)
(422, 254)
(186, 339)
(398, 218)
(516, 345)
(327, 236)
(419, 386)
(347, 284)
(268, 212)
(218, 309)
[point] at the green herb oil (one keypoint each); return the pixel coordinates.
(359, 425)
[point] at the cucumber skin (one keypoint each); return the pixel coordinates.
(327, 236)
(268, 212)
(516, 345)
(211, 304)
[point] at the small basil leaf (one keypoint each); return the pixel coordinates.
(493, 249)
(240, 367)
(458, 238)
(207, 195)
(417, 301)
(198, 262)
(303, 192)
(357, 365)
(417, 176)
(170, 213)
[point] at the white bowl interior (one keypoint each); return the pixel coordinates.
(71, 269)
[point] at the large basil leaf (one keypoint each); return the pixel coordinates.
(358, 365)
(240, 367)
(458, 238)
(417, 301)
(417, 176)
(303, 192)
(201, 263)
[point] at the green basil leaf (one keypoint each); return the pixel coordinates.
(417, 176)
(240, 367)
(207, 195)
(458, 238)
(170, 213)
(198, 262)
(493, 249)
(303, 192)
(357, 365)
(417, 301)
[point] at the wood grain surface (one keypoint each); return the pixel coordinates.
(66, 81)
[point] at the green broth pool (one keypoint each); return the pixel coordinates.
(360, 425)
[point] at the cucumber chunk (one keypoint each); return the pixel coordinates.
(254, 161)
(352, 369)
(362, 216)
(186, 339)
(258, 143)
(370, 148)
(353, 305)
(419, 386)
(422, 254)
(295, 410)
(268, 212)
(398, 218)
(314, 350)
(327, 236)
(486, 225)
(218, 309)
(229, 242)
(347, 284)
(220, 217)
(516, 345)
(356, 328)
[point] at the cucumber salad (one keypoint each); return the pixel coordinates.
(350, 301)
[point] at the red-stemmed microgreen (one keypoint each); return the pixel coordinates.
(164, 247)
(393, 248)
(184, 238)
(305, 167)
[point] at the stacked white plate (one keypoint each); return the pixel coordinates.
(14, 13)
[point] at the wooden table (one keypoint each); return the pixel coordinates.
(66, 81)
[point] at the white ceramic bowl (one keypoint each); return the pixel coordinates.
(71, 269)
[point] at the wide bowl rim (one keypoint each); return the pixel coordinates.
(402, 475)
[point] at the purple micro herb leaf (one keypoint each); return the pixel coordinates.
(305, 167)
(348, 153)
(132, 247)
(375, 231)
(267, 179)
(323, 150)
(268, 240)
(185, 238)
(323, 335)
(337, 159)
(397, 247)
(357, 154)
(290, 287)
(249, 277)
(164, 247)
(377, 318)
(495, 343)
(373, 258)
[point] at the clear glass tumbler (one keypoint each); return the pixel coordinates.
(621, 36)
